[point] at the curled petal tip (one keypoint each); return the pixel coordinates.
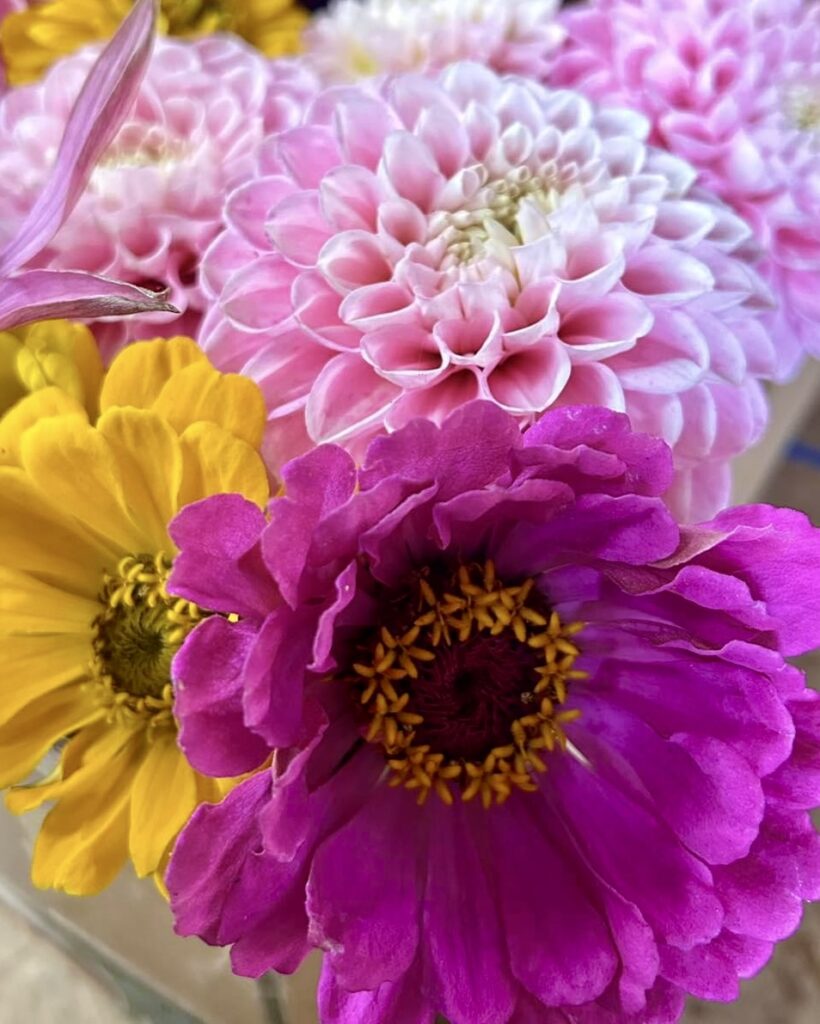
(73, 295)
(106, 97)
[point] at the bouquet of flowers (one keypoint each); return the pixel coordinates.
(370, 384)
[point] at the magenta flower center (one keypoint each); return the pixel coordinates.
(463, 682)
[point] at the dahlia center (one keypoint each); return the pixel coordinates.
(138, 631)
(803, 106)
(462, 684)
(495, 216)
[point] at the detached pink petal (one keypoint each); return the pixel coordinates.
(106, 97)
(72, 295)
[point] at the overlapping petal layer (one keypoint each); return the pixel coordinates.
(409, 248)
(733, 86)
(658, 845)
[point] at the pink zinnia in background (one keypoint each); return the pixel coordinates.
(733, 86)
(154, 201)
(413, 246)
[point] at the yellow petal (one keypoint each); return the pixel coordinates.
(199, 392)
(83, 842)
(29, 735)
(149, 455)
(39, 538)
(11, 387)
(31, 666)
(216, 462)
(100, 742)
(30, 607)
(64, 354)
(164, 798)
(76, 466)
(39, 405)
(140, 371)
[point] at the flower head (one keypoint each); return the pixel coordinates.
(355, 39)
(732, 86)
(40, 33)
(88, 629)
(437, 241)
(154, 201)
(538, 752)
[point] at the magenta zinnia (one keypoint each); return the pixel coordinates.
(538, 755)
(405, 251)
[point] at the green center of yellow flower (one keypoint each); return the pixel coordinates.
(463, 684)
(136, 635)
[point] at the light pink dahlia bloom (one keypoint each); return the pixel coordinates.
(355, 39)
(154, 202)
(475, 237)
(733, 86)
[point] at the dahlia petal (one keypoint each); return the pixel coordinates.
(308, 152)
(258, 295)
(529, 381)
(411, 169)
(362, 894)
(106, 96)
(331, 416)
(248, 209)
(207, 674)
(574, 960)
(350, 197)
(680, 356)
(297, 228)
(667, 276)
(464, 962)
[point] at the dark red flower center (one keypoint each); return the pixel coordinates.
(463, 684)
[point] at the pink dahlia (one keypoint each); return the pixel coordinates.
(355, 39)
(436, 241)
(733, 86)
(154, 201)
(538, 757)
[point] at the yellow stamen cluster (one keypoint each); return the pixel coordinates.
(136, 635)
(474, 602)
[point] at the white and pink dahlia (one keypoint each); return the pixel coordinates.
(355, 39)
(411, 249)
(733, 86)
(154, 202)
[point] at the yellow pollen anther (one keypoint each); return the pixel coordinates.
(472, 603)
(135, 637)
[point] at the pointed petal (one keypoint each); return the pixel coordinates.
(105, 99)
(72, 295)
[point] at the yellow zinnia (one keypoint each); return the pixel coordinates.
(33, 39)
(87, 628)
(52, 352)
